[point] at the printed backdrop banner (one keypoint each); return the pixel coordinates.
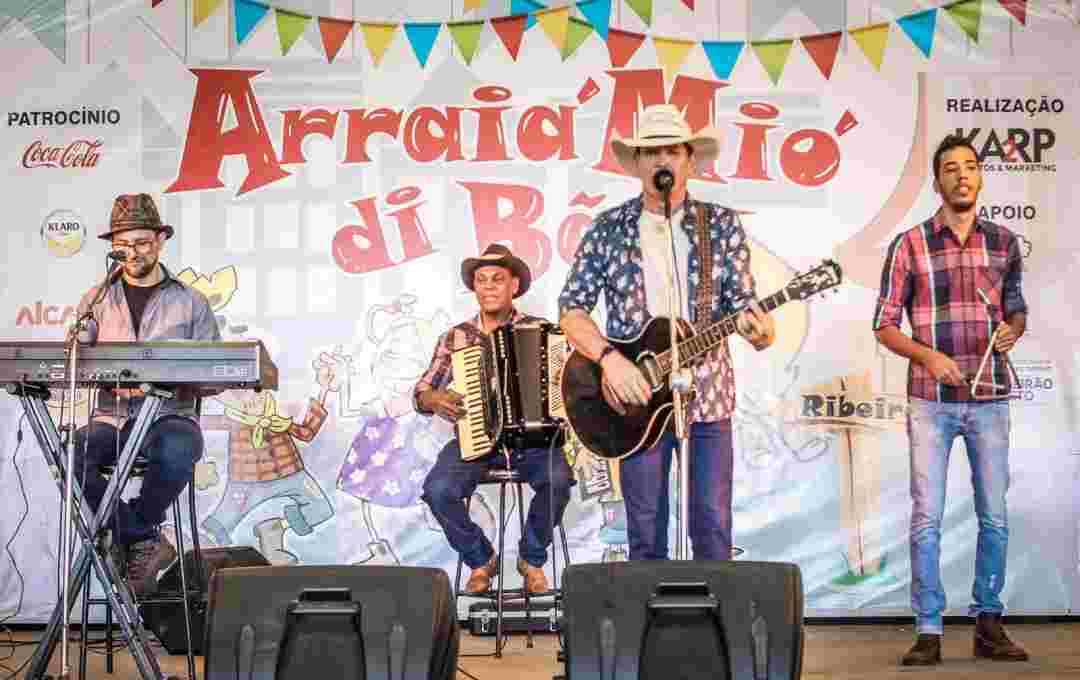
(327, 172)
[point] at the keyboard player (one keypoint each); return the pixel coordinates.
(145, 302)
(497, 277)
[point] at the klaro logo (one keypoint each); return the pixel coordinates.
(63, 233)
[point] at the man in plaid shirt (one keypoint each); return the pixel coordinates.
(958, 279)
(497, 277)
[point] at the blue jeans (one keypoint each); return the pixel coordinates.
(452, 480)
(644, 478)
(172, 446)
(932, 428)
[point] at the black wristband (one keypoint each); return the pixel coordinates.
(604, 352)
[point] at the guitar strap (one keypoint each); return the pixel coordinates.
(703, 303)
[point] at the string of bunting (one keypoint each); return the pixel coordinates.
(568, 32)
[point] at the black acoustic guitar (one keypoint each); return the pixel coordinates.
(609, 434)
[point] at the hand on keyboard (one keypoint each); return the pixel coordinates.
(446, 403)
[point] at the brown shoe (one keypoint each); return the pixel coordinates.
(144, 560)
(992, 642)
(925, 652)
(535, 580)
(480, 578)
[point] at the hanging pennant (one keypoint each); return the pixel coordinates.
(466, 35)
(967, 14)
(622, 45)
(526, 7)
(203, 9)
(1017, 8)
(290, 26)
(920, 28)
(554, 22)
(470, 5)
(598, 13)
(378, 37)
(422, 38)
(643, 8)
(672, 54)
(723, 56)
(773, 55)
(822, 50)
(872, 39)
(334, 32)
(510, 31)
(576, 33)
(247, 15)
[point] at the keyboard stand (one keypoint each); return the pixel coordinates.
(33, 398)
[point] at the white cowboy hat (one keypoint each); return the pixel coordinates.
(663, 125)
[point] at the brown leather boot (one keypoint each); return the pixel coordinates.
(992, 642)
(535, 580)
(480, 578)
(925, 652)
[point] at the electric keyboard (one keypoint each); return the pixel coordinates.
(221, 365)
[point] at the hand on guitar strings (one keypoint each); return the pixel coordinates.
(624, 383)
(446, 403)
(756, 326)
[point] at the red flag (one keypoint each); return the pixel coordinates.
(155, 3)
(822, 49)
(622, 45)
(1017, 8)
(689, 4)
(511, 30)
(334, 32)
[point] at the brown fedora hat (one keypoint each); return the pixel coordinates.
(497, 255)
(135, 211)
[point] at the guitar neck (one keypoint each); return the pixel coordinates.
(705, 340)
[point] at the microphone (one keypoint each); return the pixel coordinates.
(117, 255)
(663, 180)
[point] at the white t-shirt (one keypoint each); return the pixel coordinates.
(656, 261)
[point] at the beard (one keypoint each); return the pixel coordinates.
(140, 269)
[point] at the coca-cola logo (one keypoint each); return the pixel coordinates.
(81, 153)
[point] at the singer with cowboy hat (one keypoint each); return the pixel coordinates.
(625, 255)
(497, 278)
(143, 302)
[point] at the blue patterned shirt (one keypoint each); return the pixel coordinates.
(609, 261)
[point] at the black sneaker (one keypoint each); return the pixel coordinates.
(145, 560)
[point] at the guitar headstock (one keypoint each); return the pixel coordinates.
(821, 278)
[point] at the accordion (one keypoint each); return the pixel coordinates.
(511, 389)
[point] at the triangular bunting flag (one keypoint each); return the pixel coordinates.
(722, 56)
(466, 35)
(470, 5)
(773, 56)
(290, 26)
(689, 4)
(554, 22)
(872, 39)
(622, 45)
(422, 38)
(672, 53)
(510, 31)
(920, 28)
(598, 13)
(155, 3)
(525, 7)
(46, 19)
(378, 37)
(643, 8)
(203, 9)
(334, 32)
(1017, 8)
(576, 33)
(248, 14)
(822, 49)
(967, 14)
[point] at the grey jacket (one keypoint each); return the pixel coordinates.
(175, 312)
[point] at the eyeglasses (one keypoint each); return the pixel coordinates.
(142, 246)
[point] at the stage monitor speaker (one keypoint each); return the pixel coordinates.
(683, 621)
(356, 622)
(163, 613)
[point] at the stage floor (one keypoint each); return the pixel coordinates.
(832, 652)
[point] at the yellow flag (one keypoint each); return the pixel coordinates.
(470, 5)
(872, 40)
(672, 53)
(204, 8)
(555, 23)
(378, 37)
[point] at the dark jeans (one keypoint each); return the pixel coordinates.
(645, 485)
(171, 448)
(452, 480)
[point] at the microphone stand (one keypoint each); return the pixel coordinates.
(680, 386)
(67, 533)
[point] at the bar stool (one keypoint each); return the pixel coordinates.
(501, 595)
(138, 470)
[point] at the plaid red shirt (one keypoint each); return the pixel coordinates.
(440, 372)
(934, 278)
